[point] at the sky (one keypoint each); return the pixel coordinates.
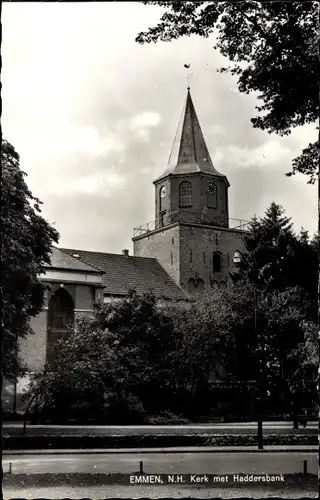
(93, 116)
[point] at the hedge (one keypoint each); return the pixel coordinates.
(25, 442)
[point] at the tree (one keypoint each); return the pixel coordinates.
(275, 258)
(199, 351)
(259, 335)
(306, 353)
(135, 341)
(152, 359)
(274, 50)
(26, 247)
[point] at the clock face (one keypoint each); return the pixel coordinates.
(163, 192)
(212, 188)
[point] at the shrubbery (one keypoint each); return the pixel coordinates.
(135, 362)
(167, 418)
(149, 441)
(158, 365)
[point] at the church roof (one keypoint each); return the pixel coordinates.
(122, 273)
(189, 153)
(64, 260)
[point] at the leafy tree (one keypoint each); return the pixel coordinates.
(151, 359)
(135, 341)
(307, 355)
(199, 351)
(165, 359)
(275, 258)
(258, 338)
(26, 246)
(274, 51)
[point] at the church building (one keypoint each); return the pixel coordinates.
(188, 249)
(191, 236)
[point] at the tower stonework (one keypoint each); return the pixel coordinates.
(191, 235)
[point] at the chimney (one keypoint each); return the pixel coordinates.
(125, 252)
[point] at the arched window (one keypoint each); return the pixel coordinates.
(60, 317)
(191, 284)
(185, 194)
(196, 285)
(216, 262)
(211, 195)
(200, 284)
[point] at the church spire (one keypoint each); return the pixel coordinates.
(189, 153)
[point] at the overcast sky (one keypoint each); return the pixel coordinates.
(93, 116)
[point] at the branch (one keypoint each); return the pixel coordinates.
(255, 24)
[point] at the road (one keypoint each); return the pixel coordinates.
(232, 428)
(115, 491)
(171, 463)
(23, 481)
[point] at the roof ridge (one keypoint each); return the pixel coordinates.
(67, 250)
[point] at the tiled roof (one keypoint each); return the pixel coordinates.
(64, 260)
(123, 273)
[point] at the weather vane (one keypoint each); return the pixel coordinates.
(187, 66)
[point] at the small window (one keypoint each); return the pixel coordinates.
(185, 194)
(190, 256)
(191, 284)
(216, 262)
(200, 284)
(162, 218)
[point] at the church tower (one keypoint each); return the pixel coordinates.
(190, 236)
(191, 188)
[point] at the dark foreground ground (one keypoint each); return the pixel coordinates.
(107, 474)
(97, 486)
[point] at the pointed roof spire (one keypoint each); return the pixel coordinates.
(189, 153)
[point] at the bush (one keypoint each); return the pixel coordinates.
(47, 441)
(128, 411)
(10, 416)
(167, 418)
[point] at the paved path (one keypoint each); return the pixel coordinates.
(188, 449)
(166, 463)
(233, 428)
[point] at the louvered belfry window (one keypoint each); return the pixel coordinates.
(185, 194)
(60, 317)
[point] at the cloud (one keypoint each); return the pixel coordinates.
(143, 123)
(93, 116)
(271, 152)
(71, 140)
(91, 184)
